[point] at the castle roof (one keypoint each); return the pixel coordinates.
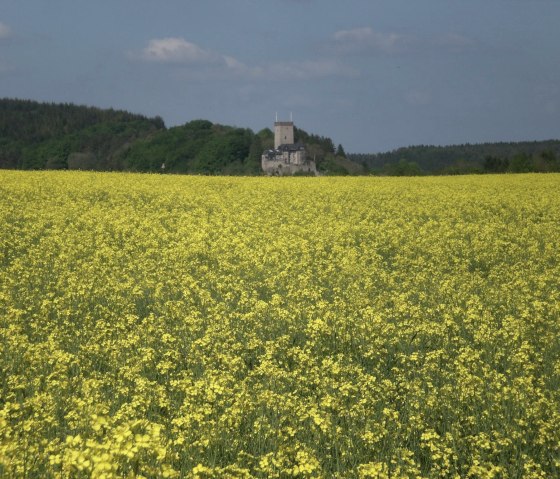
(292, 147)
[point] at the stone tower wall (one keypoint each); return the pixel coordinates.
(283, 133)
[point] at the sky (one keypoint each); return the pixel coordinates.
(373, 75)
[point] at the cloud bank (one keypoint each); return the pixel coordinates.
(205, 63)
(366, 40)
(179, 51)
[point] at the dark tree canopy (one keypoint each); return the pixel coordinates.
(512, 157)
(65, 136)
(37, 135)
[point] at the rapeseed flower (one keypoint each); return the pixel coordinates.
(174, 326)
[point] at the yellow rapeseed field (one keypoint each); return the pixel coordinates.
(170, 326)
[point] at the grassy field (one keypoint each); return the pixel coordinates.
(171, 326)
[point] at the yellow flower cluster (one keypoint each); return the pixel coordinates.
(171, 326)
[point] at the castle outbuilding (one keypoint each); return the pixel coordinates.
(287, 157)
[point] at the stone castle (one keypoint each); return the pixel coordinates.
(287, 157)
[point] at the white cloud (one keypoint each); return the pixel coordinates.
(176, 50)
(355, 35)
(367, 39)
(5, 31)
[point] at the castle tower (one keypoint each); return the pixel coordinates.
(283, 133)
(288, 157)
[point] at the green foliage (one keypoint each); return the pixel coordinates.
(521, 163)
(64, 136)
(318, 149)
(197, 147)
(175, 147)
(43, 135)
(335, 165)
(514, 157)
(548, 160)
(403, 168)
(37, 135)
(462, 167)
(340, 151)
(330, 166)
(226, 147)
(494, 164)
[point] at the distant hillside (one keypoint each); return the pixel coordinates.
(456, 159)
(45, 135)
(65, 136)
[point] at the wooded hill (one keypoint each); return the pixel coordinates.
(514, 157)
(65, 136)
(37, 135)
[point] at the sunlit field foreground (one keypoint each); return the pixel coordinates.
(171, 326)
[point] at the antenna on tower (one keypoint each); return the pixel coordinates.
(291, 117)
(276, 117)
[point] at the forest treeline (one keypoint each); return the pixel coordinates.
(37, 135)
(513, 157)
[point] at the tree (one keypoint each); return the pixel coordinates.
(549, 161)
(253, 163)
(340, 151)
(332, 166)
(493, 164)
(521, 163)
(403, 168)
(82, 161)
